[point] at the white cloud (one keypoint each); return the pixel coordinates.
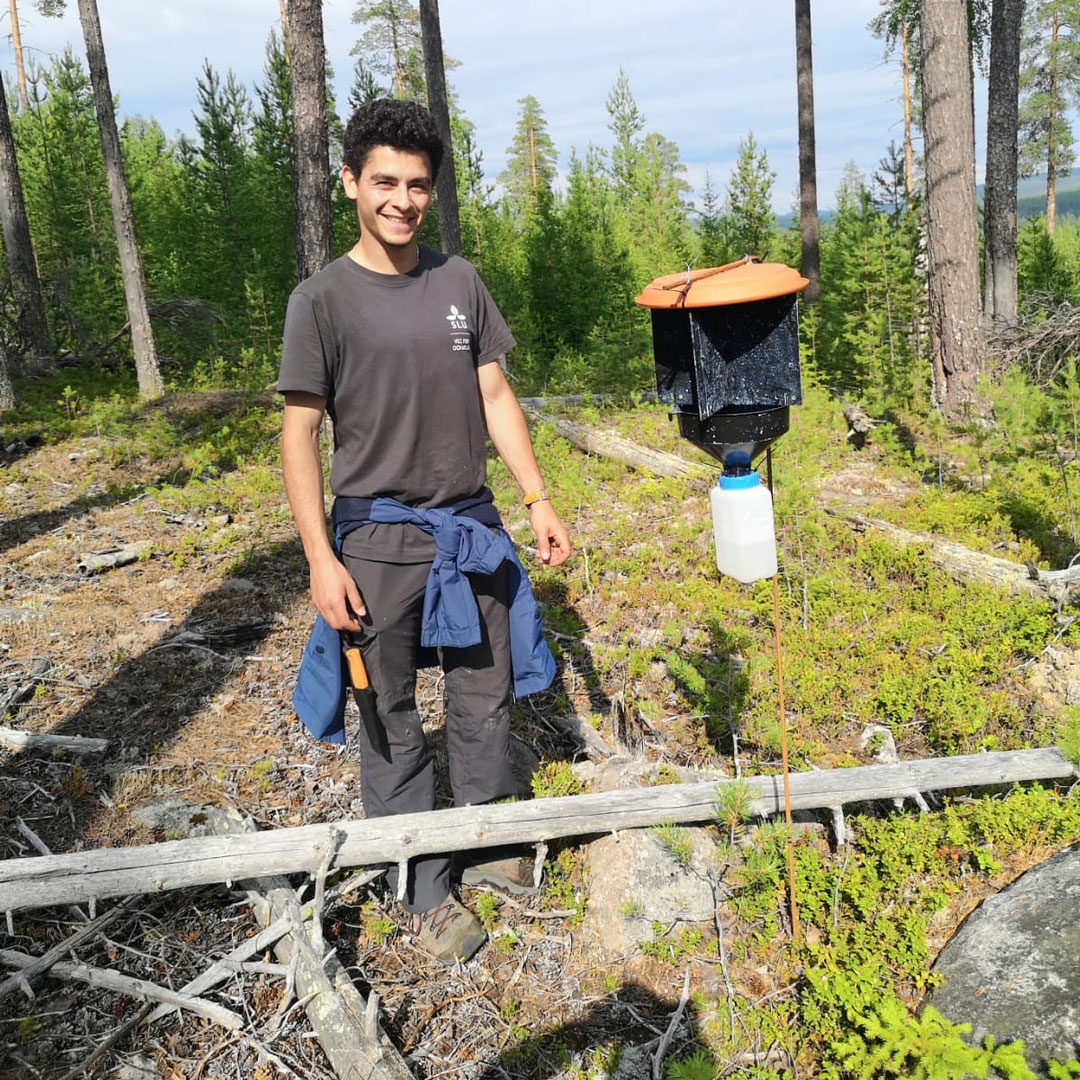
(703, 73)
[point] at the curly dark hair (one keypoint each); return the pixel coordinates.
(401, 125)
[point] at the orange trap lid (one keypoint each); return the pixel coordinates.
(737, 283)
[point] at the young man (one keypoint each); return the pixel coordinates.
(401, 345)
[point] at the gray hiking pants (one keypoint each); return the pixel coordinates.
(477, 692)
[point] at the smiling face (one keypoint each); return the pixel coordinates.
(392, 194)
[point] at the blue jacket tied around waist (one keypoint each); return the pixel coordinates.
(465, 543)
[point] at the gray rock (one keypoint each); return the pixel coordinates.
(881, 739)
(1013, 969)
(174, 817)
(634, 881)
(523, 763)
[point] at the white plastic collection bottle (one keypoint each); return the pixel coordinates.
(743, 528)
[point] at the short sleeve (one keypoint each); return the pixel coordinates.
(493, 337)
(306, 360)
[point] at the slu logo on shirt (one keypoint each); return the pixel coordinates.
(457, 319)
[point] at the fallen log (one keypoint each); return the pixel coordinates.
(964, 564)
(608, 444)
(585, 399)
(14, 739)
(39, 881)
(97, 562)
(338, 1012)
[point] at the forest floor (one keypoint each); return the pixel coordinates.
(185, 660)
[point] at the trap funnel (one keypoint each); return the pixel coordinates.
(726, 351)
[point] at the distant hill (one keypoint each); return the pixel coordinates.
(1030, 202)
(1031, 196)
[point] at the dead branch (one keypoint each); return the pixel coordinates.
(1045, 335)
(219, 971)
(21, 691)
(125, 984)
(36, 966)
(36, 881)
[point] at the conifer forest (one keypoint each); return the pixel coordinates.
(913, 668)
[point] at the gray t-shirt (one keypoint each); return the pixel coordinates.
(395, 355)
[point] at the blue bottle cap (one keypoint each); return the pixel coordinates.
(737, 483)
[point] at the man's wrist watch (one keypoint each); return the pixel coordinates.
(539, 495)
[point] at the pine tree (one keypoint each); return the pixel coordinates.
(311, 152)
(18, 247)
(956, 332)
(1051, 65)
(749, 216)
(626, 125)
(711, 241)
(365, 89)
(658, 213)
(391, 42)
(531, 159)
(142, 337)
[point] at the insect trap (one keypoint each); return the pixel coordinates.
(726, 350)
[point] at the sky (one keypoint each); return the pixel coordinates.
(703, 72)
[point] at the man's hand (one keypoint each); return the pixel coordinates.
(334, 593)
(552, 539)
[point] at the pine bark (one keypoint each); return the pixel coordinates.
(957, 339)
(808, 209)
(7, 391)
(16, 43)
(1001, 161)
(33, 330)
(142, 335)
(311, 150)
(905, 65)
(1051, 132)
(435, 77)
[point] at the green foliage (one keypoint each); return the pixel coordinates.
(486, 910)
(1068, 735)
(675, 840)
(553, 779)
(672, 950)
(890, 1042)
(750, 218)
(700, 1065)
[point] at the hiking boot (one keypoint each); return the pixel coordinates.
(449, 932)
(511, 873)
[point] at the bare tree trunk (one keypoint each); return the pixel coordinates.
(909, 184)
(952, 237)
(284, 28)
(16, 41)
(999, 217)
(1051, 145)
(142, 335)
(7, 391)
(808, 209)
(33, 330)
(435, 77)
(311, 150)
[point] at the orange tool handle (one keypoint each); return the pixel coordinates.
(357, 671)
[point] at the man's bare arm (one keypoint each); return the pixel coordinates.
(510, 434)
(333, 590)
